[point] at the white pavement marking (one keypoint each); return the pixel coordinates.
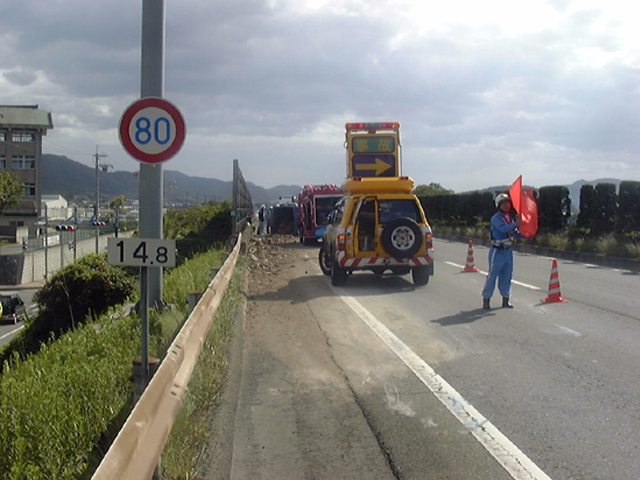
(515, 282)
(569, 331)
(512, 459)
(11, 332)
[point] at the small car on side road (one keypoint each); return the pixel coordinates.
(12, 308)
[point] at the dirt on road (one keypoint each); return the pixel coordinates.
(288, 410)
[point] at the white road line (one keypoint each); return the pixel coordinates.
(515, 282)
(569, 331)
(11, 332)
(512, 459)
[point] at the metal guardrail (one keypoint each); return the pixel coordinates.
(135, 452)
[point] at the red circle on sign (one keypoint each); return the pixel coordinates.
(130, 144)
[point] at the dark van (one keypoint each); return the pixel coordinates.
(12, 308)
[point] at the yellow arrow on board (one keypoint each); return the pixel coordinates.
(379, 166)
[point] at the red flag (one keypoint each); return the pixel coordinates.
(515, 194)
(524, 203)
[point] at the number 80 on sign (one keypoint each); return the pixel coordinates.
(152, 130)
(140, 252)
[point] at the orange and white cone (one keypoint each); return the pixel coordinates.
(554, 286)
(471, 264)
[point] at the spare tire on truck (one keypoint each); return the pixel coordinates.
(402, 238)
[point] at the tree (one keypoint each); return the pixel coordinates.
(10, 190)
(554, 208)
(431, 190)
(628, 207)
(588, 207)
(607, 205)
(117, 203)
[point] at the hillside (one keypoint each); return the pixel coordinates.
(74, 180)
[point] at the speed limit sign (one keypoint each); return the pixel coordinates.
(152, 130)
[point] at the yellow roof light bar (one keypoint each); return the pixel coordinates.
(380, 185)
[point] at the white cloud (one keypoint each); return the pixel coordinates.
(484, 91)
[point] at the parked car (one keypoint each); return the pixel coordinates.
(12, 308)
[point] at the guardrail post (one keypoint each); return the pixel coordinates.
(139, 377)
(212, 273)
(194, 298)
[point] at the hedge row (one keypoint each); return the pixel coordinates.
(602, 209)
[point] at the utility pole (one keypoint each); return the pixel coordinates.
(96, 209)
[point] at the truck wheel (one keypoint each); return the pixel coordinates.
(420, 275)
(324, 259)
(402, 238)
(338, 275)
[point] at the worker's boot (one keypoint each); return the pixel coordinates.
(505, 303)
(486, 303)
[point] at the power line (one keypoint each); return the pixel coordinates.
(67, 148)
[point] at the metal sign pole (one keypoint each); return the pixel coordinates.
(151, 85)
(46, 243)
(75, 232)
(151, 176)
(144, 316)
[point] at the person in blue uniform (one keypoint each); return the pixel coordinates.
(504, 229)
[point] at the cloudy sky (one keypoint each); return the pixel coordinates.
(485, 91)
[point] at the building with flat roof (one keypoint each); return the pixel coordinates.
(21, 130)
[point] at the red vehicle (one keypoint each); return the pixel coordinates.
(315, 203)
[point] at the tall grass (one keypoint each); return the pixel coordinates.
(193, 275)
(190, 431)
(556, 240)
(55, 405)
(606, 245)
(633, 250)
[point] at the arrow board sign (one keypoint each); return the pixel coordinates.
(378, 165)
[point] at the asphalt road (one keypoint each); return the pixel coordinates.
(382, 379)
(560, 380)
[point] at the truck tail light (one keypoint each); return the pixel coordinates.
(342, 242)
(428, 239)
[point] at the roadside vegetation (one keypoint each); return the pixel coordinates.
(608, 221)
(66, 383)
(190, 431)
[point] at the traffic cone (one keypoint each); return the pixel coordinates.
(554, 286)
(471, 264)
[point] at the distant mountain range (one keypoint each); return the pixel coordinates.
(76, 181)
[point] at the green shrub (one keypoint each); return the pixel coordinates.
(55, 405)
(197, 229)
(556, 240)
(90, 286)
(633, 250)
(606, 245)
